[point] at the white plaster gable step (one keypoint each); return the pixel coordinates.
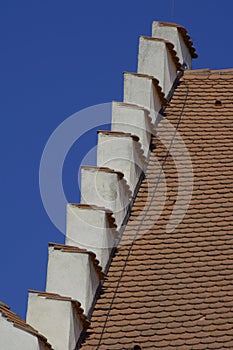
(179, 37)
(131, 118)
(158, 58)
(16, 334)
(106, 188)
(75, 273)
(59, 318)
(122, 152)
(145, 91)
(92, 228)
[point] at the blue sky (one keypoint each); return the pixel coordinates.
(58, 57)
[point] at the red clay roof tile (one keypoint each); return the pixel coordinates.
(174, 290)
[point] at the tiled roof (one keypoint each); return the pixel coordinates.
(174, 290)
(21, 324)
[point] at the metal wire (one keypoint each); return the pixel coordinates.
(172, 10)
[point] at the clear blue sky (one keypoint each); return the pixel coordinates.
(58, 57)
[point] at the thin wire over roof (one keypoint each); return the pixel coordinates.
(174, 290)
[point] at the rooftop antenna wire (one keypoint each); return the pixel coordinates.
(172, 9)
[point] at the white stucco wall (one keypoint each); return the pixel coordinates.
(105, 189)
(89, 229)
(154, 59)
(121, 153)
(172, 35)
(134, 120)
(72, 275)
(13, 338)
(53, 318)
(140, 90)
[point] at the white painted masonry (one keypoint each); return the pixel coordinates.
(57, 319)
(157, 58)
(91, 228)
(143, 90)
(133, 119)
(173, 34)
(121, 152)
(105, 188)
(13, 338)
(71, 273)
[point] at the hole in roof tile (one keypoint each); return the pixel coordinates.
(137, 347)
(218, 103)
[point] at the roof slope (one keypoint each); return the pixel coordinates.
(174, 290)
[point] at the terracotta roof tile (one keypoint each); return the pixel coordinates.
(174, 290)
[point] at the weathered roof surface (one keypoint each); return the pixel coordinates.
(21, 324)
(174, 290)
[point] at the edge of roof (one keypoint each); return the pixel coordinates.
(73, 249)
(155, 81)
(21, 324)
(132, 105)
(104, 169)
(208, 72)
(118, 134)
(185, 36)
(125, 134)
(108, 212)
(110, 171)
(75, 303)
(170, 47)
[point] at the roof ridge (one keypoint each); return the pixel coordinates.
(202, 71)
